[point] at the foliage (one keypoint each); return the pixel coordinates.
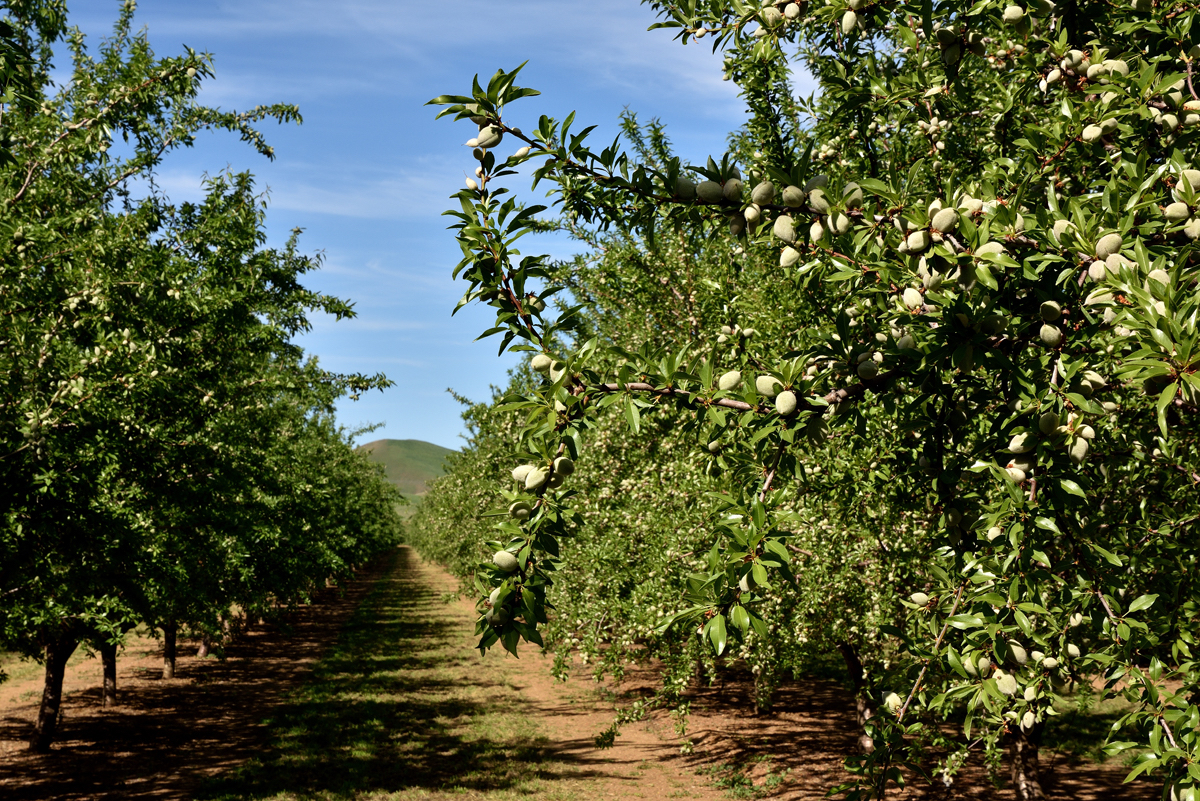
(976, 270)
(166, 449)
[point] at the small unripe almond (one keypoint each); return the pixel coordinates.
(520, 472)
(788, 257)
(1048, 423)
(785, 229)
(1177, 212)
(505, 561)
(763, 194)
(867, 370)
(918, 241)
(818, 200)
(1091, 133)
(906, 342)
(1108, 245)
(729, 380)
(919, 598)
(541, 363)
(732, 191)
(489, 136)
(1078, 451)
(1051, 311)
(1051, 335)
(913, 298)
(852, 196)
(685, 189)
(710, 192)
(946, 221)
(1022, 443)
(849, 22)
(564, 466)
(767, 385)
(785, 403)
(794, 197)
(535, 478)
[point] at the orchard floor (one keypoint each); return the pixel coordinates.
(375, 693)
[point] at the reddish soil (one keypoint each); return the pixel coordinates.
(168, 735)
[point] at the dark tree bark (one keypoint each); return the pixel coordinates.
(205, 645)
(865, 710)
(1025, 765)
(108, 656)
(170, 634)
(57, 652)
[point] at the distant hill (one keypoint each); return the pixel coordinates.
(409, 463)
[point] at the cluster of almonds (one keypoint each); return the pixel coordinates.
(1072, 434)
(736, 331)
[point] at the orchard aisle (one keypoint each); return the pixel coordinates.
(404, 707)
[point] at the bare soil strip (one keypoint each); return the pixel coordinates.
(399, 706)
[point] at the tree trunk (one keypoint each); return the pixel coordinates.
(170, 633)
(205, 644)
(864, 708)
(108, 656)
(58, 651)
(1025, 764)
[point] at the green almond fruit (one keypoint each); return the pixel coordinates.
(867, 370)
(1048, 423)
(788, 257)
(1051, 335)
(984, 664)
(763, 194)
(1092, 133)
(946, 221)
(494, 597)
(1029, 720)
(917, 241)
(994, 533)
(818, 200)
(816, 232)
(732, 191)
(767, 385)
(1050, 663)
(1006, 683)
(994, 248)
(715, 446)
(520, 510)
(489, 136)
(1108, 245)
(555, 481)
(849, 22)
(1013, 14)
(1022, 443)
(906, 342)
(737, 224)
(685, 189)
(852, 196)
(1192, 177)
(818, 181)
(1161, 276)
(785, 403)
(913, 298)
(556, 371)
(729, 380)
(520, 472)
(839, 223)
(892, 702)
(505, 561)
(794, 197)
(710, 192)
(1073, 650)
(535, 478)
(564, 466)
(770, 16)
(1078, 451)
(969, 666)
(1051, 311)
(784, 228)
(541, 363)
(1177, 212)
(496, 617)
(1018, 653)
(919, 598)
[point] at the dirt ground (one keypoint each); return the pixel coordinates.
(167, 737)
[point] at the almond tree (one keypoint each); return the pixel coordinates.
(151, 387)
(992, 214)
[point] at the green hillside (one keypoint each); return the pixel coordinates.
(409, 463)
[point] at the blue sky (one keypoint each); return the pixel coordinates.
(369, 172)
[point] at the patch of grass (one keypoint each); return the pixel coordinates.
(733, 779)
(1082, 726)
(402, 708)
